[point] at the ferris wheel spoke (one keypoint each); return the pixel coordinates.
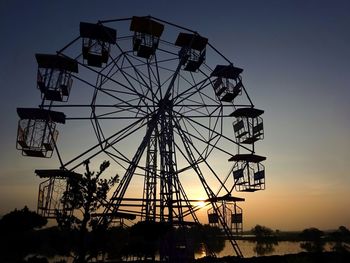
(188, 145)
(133, 110)
(202, 109)
(208, 148)
(142, 86)
(146, 76)
(211, 127)
(192, 161)
(107, 142)
(138, 107)
(191, 91)
(107, 92)
(210, 143)
(216, 133)
(138, 73)
(111, 79)
(145, 89)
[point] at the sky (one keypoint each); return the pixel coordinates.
(296, 61)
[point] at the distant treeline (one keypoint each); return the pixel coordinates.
(291, 236)
(340, 234)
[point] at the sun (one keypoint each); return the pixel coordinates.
(200, 204)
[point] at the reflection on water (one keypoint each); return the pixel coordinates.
(249, 248)
(265, 248)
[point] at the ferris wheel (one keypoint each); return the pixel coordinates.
(164, 106)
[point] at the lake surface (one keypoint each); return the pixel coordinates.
(247, 248)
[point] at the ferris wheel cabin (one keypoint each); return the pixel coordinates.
(51, 192)
(228, 84)
(192, 53)
(54, 78)
(146, 36)
(248, 172)
(229, 211)
(96, 43)
(36, 133)
(248, 127)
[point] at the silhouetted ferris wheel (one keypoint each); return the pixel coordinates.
(160, 98)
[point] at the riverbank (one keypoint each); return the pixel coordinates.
(303, 257)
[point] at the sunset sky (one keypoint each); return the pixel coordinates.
(296, 61)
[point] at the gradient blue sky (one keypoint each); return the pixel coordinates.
(296, 61)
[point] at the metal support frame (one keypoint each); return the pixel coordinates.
(150, 183)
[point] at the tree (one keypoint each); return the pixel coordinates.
(265, 240)
(21, 220)
(344, 233)
(85, 194)
(311, 234)
(262, 232)
(313, 240)
(17, 238)
(340, 237)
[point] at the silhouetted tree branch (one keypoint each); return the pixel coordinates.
(85, 194)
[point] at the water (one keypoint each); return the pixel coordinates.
(248, 249)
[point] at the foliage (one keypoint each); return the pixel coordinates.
(84, 194)
(266, 240)
(55, 241)
(340, 236)
(311, 234)
(21, 220)
(17, 237)
(262, 232)
(313, 240)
